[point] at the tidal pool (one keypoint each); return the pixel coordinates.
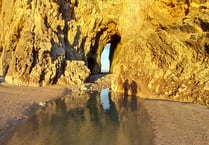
(87, 119)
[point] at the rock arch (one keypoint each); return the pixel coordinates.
(110, 35)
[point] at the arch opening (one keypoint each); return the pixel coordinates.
(105, 59)
(108, 54)
(115, 40)
(100, 58)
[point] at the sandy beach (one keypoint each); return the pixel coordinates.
(173, 123)
(176, 123)
(18, 102)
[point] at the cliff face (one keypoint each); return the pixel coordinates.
(160, 47)
(167, 55)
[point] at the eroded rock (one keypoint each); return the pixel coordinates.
(162, 46)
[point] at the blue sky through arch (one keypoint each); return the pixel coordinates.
(105, 61)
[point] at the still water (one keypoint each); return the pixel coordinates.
(87, 119)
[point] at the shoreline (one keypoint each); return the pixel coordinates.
(178, 123)
(18, 104)
(172, 122)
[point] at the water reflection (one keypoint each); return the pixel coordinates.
(105, 119)
(104, 98)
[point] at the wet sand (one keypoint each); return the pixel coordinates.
(176, 123)
(173, 123)
(17, 103)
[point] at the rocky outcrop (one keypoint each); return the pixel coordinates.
(159, 46)
(39, 39)
(168, 56)
(36, 41)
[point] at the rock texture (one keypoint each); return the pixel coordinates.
(167, 56)
(36, 43)
(159, 46)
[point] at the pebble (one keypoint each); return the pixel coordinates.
(42, 104)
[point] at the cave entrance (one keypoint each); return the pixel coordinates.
(105, 59)
(103, 65)
(103, 62)
(108, 53)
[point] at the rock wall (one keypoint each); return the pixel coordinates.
(159, 46)
(39, 37)
(167, 56)
(38, 42)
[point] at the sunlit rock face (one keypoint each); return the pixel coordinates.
(161, 45)
(166, 54)
(39, 40)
